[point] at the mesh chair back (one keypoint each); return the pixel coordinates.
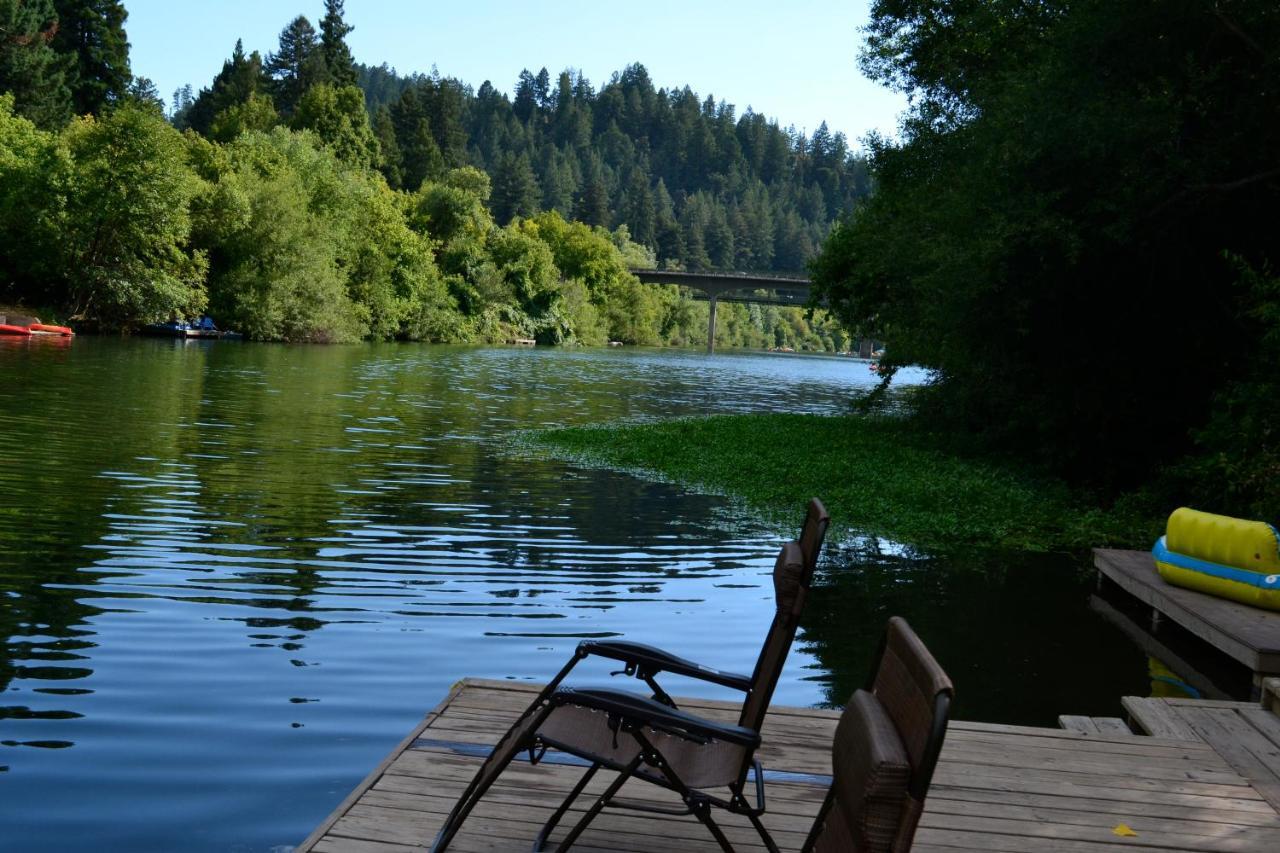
(792, 574)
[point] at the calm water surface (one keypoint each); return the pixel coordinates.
(233, 576)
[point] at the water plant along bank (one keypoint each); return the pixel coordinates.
(879, 476)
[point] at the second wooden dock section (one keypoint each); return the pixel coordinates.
(998, 788)
(1248, 634)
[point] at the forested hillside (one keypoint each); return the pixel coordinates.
(702, 186)
(294, 207)
(699, 185)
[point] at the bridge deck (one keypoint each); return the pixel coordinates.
(997, 788)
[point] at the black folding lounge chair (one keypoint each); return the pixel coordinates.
(706, 763)
(885, 752)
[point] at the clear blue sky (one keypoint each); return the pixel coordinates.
(794, 61)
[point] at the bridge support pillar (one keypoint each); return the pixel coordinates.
(711, 323)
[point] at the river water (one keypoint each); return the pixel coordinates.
(233, 576)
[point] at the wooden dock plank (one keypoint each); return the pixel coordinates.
(997, 788)
(1251, 753)
(1094, 725)
(1072, 723)
(1246, 735)
(1157, 718)
(1248, 634)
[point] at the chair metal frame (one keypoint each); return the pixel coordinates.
(630, 715)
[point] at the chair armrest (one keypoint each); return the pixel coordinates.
(651, 661)
(650, 712)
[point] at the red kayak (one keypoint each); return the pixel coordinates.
(21, 331)
(46, 329)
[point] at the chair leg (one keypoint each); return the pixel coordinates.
(540, 843)
(600, 803)
(764, 833)
(703, 811)
(511, 744)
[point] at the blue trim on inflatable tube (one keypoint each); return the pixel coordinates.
(1162, 554)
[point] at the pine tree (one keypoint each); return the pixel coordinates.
(297, 65)
(557, 181)
(385, 132)
(340, 66)
(29, 66)
(666, 229)
(542, 89)
(444, 103)
(144, 92)
(526, 100)
(240, 80)
(421, 159)
(515, 189)
(719, 237)
(91, 33)
(593, 203)
(638, 209)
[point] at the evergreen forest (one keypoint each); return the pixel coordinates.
(302, 196)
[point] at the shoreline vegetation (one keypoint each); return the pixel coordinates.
(879, 476)
(301, 196)
(122, 220)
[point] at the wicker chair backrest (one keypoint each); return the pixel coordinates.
(907, 682)
(896, 725)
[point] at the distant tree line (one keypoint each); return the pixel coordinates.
(1077, 234)
(701, 186)
(270, 199)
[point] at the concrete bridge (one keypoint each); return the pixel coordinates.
(733, 287)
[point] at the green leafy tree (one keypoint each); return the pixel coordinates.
(339, 118)
(276, 274)
(1049, 234)
(34, 166)
(91, 33)
(30, 68)
(122, 242)
(256, 113)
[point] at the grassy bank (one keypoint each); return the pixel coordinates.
(874, 475)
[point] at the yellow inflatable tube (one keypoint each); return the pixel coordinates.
(1222, 556)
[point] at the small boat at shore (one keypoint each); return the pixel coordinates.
(22, 326)
(202, 329)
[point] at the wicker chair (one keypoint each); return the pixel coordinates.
(705, 763)
(886, 748)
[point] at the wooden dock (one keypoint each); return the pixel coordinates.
(1246, 734)
(997, 788)
(1248, 634)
